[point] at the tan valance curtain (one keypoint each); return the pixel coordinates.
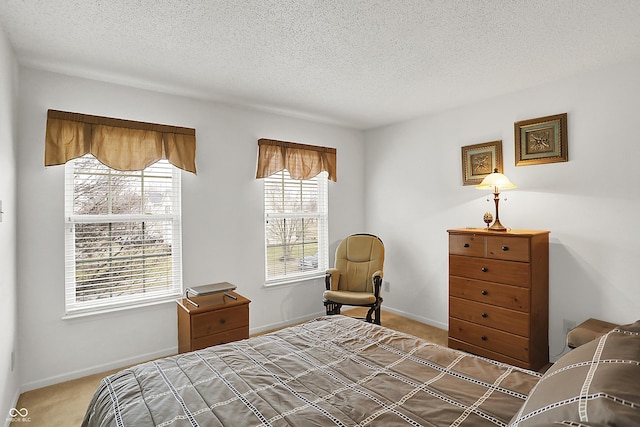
(302, 161)
(120, 144)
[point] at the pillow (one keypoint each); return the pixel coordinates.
(598, 383)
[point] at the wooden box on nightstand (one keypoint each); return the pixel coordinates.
(219, 319)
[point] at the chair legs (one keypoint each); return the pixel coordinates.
(332, 307)
(370, 315)
(373, 314)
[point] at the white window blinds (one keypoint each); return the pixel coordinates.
(296, 229)
(122, 235)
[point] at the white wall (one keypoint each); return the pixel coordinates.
(9, 380)
(590, 204)
(222, 230)
(412, 176)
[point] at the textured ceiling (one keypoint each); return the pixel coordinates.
(360, 63)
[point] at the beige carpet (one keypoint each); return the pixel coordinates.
(64, 404)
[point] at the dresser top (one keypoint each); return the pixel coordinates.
(498, 233)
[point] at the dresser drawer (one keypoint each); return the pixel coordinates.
(467, 245)
(508, 248)
(220, 338)
(513, 297)
(498, 341)
(219, 321)
(492, 316)
(491, 270)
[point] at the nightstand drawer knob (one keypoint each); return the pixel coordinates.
(483, 292)
(483, 338)
(222, 321)
(485, 315)
(466, 245)
(505, 248)
(484, 269)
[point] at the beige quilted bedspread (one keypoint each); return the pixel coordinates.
(331, 371)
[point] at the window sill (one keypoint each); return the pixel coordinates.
(294, 280)
(79, 314)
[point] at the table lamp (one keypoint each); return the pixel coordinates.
(496, 182)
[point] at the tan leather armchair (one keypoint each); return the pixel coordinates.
(357, 276)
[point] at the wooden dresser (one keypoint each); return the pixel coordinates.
(499, 295)
(219, 319)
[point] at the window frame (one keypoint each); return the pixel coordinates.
(75, 308)
(322, 217)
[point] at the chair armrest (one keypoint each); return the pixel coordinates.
(332, 279)
(377, 282)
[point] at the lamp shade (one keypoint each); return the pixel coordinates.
(495, 181)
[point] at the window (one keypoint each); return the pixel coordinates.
(122, 235)
(296, 235)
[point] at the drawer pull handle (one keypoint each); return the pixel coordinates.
(505, 248)
(485, 315)
(222, 321)
(484, 269)
(466, 245)
(483, 292)
(483, 338)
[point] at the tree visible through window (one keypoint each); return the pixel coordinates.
(295, 226)
(123, 235)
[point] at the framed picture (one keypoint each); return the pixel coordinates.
(480, 160)
(541, 140)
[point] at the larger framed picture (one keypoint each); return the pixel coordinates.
(479, 160)
(541, 140)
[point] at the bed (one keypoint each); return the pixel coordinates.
(336, 370)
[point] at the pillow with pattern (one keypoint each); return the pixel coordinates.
(595, 384)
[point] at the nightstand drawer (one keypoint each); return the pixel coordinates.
(220, 338)
(491, 270)
(466, 245)
(508, 248)
(513, 297)
(219, 321)
(492, 316)
(500, 342)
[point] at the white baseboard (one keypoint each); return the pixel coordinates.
(420, 319)
(122, 363)
(285, 323)
(174, 350)
(289, 322)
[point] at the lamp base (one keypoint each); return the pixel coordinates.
(496, 226)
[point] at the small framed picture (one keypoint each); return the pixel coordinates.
(541, 140)
(479, 160)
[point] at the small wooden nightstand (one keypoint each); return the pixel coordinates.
(219, 319)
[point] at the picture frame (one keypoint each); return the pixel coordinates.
(479, 160)
(541, 140)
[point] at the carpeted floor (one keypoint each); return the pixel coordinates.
(64, 404)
